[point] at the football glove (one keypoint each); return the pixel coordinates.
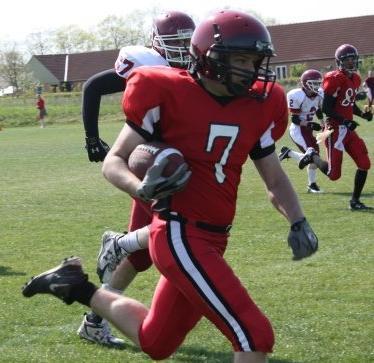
(155, 186)
(350, 124)
(302, 240)
(96, 148)
(368, 115)
(315, 126)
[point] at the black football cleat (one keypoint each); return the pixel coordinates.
(314, 188)
(307, 158)
(284, 153)
(58, 281)
(356, 205)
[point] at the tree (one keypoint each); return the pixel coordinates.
(115, 32)
(72, 39)
(39, 43)
(296, 70)
(12, 66)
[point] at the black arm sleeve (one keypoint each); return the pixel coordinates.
(319, 114)
(295, 119)
(328, 108)
(102, 83)
(356, 110)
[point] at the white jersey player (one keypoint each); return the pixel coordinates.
(304, 104)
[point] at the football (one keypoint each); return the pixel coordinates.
(145, 155)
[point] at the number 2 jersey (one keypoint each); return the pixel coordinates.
(214, 138)
(302, 105)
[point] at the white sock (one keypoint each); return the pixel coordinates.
(129, 242)
(295, 155)
(312, 174)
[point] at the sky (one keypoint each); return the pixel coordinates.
(22, 17)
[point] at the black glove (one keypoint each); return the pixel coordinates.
(315, 126)
(302, 240)
(350, 124)
(96, 148)
(367, 115)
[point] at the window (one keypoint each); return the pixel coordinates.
(281, 72)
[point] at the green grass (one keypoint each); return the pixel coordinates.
(54, 203)
(62, 108)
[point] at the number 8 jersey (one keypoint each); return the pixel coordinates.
(215, 137)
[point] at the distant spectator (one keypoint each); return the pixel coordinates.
(369, 87)
(40, 105)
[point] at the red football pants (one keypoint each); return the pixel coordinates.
(343, 139)
(197, 282)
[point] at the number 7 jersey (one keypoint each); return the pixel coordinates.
(214, 138)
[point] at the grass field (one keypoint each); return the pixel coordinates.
(54, 203)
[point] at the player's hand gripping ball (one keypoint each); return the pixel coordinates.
(161, 168)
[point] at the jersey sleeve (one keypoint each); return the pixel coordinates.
(280, 115)
(330, 85)
(266, 144)
(294, 101)
(141, 101)
(124, 63)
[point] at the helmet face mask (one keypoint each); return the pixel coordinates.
(171, 37)
(225, 34)
(347, 58)
(311, 81)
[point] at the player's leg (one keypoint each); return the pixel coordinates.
(191, 259)
(93, 327)
(357, 150)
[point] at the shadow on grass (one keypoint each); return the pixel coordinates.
(349, 194)
(190, 354)
(7, 271)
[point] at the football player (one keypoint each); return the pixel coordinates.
(171, 34)
(304, 103)
(340, 88)
(228, 108)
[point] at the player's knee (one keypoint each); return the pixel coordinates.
(334, 175)
(159, 353)
(160, 350)
(264, 339)
(364, 164)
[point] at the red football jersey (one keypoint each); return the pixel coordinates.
(215, 139)
(344, 89)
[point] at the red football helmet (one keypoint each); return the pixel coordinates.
(230, 32)
(171, 37)
(346, 57)
(311, 81)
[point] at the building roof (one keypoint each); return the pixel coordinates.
(318, 39)
(78, 66)
(294, 43)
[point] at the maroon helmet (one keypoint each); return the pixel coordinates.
(346, 57)
(230, 32)
(171, 37)
(311, 81)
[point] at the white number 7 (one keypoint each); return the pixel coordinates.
(230, 132)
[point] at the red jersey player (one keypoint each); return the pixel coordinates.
(225, 109)
(340, 88)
